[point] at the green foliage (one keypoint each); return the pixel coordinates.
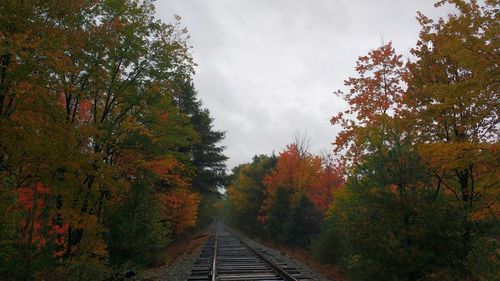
(483, 260)
(9, 218)
(376, 238)
(292, 221)
(278, 215)
(136, 229)
(81, 269)
(206, 153)
(208, 209)
(303, 223)
(246, 193)
(389, 223)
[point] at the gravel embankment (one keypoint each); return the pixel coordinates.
(180, 270)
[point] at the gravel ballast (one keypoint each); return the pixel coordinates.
(180, 270)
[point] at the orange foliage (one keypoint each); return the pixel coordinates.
(129, 161)
(168, 169)
(181, 208)
(302, 173)
(75, 106)
(296, 170)
(376, 92)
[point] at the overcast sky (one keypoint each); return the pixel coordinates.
(267, 69)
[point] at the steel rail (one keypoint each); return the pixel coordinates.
(281, 272)
(214, 263)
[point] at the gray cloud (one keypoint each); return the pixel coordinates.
(267, 68)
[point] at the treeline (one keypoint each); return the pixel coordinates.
(284, 197)
(106, 152)
(419, 151)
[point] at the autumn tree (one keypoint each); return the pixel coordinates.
(88, 111)
(37, 145)
(388, 222)
(181, 209)
(374, 94)
(124, 72)
(302, 184)
(283, 197)
(453, 98)
(453, 102)
(301, 172)
(426, 161)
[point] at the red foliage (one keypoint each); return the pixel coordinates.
(302, 173)
(84, 108)
(163, 116)
(38, 229)
(376, 92)
(328, 179)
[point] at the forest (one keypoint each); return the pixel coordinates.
(108, 155)
(411, 189)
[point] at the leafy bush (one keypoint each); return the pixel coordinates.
(137, 229)
(303, 223)
(8, 221)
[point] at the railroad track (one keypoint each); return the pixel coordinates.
(226, 257)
